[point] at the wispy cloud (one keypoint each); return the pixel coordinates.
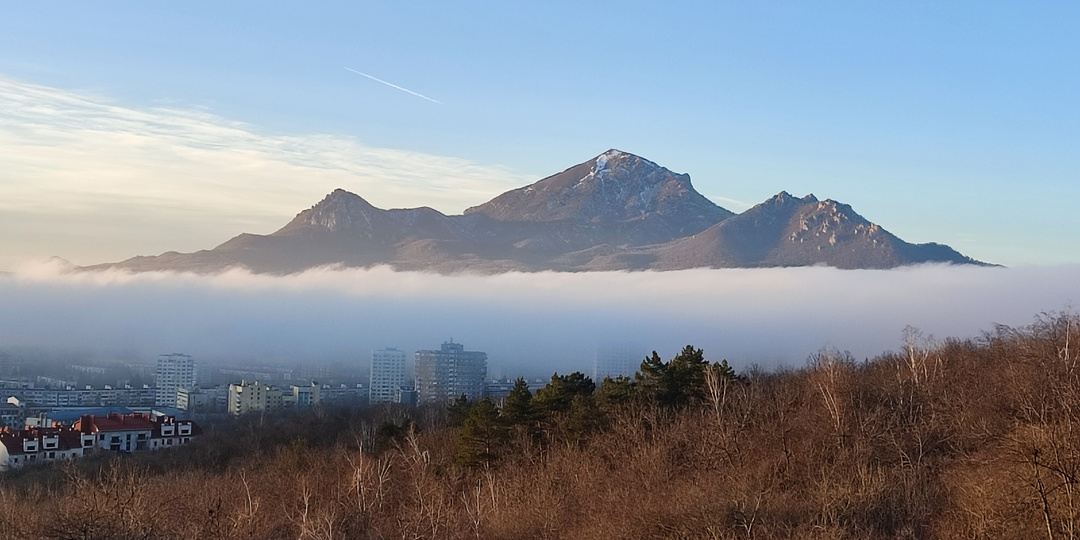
(540, 322)
(392, 85)
(91, 180)
(725, 201)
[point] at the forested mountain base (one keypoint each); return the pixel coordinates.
(962, 439)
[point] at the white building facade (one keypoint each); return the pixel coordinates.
(249, 397)
(133, 432)
(174, 371)
(387, 376)
(21, 447)
(306, 396)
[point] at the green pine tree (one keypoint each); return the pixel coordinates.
(482, 436)
(617, 391)
(675, 383)
(686, 377)
(518, 409)
(458, 410)
(583, 420)
(557, 395)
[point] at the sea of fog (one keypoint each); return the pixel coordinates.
(526, 322)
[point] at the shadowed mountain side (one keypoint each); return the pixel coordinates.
(616, 211)
(786, 231)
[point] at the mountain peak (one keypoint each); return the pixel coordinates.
(613, 156)
(615, 159)
(339, 193)
(784, 198)
(613, 187)
(339, 210)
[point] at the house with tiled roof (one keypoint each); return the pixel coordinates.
(168, 431)
(21, 447)
(137, 431)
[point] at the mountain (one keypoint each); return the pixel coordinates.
(616, 211)
(790, 231)
(614, 189)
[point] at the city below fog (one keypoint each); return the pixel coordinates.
(528, 324)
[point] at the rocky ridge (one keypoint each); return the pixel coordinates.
(616, 211)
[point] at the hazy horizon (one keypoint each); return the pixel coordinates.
(148, 128)
(534, 323)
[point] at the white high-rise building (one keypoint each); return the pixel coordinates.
(174, 371)
(387, 376)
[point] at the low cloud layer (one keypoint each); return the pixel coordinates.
(526, 322)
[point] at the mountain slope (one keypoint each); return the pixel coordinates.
(616, 211)
(788, 231)
(610, 188)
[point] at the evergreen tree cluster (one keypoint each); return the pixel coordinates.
(570, 408)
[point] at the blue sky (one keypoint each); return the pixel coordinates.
(137, 128)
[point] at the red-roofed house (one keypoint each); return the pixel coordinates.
(137, 431)
(168, 431)
(19, 447)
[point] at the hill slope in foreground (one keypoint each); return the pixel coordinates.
(965, 439)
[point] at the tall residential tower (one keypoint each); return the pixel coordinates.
(387, 376)
(449, 372)
(174, 371)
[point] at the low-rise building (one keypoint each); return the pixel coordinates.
(498, 389)
(11, 414)
(86, 397)
(252, 397)
(67, 416)
(137, 431)
(168, 431)
(305, 396)
(202, 400)
(344, 394)
(21, 447)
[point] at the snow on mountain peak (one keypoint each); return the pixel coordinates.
(603, 159)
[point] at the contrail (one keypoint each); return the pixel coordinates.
(376, 79)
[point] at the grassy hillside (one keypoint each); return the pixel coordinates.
(958, 439)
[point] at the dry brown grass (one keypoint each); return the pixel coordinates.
(952, 440)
